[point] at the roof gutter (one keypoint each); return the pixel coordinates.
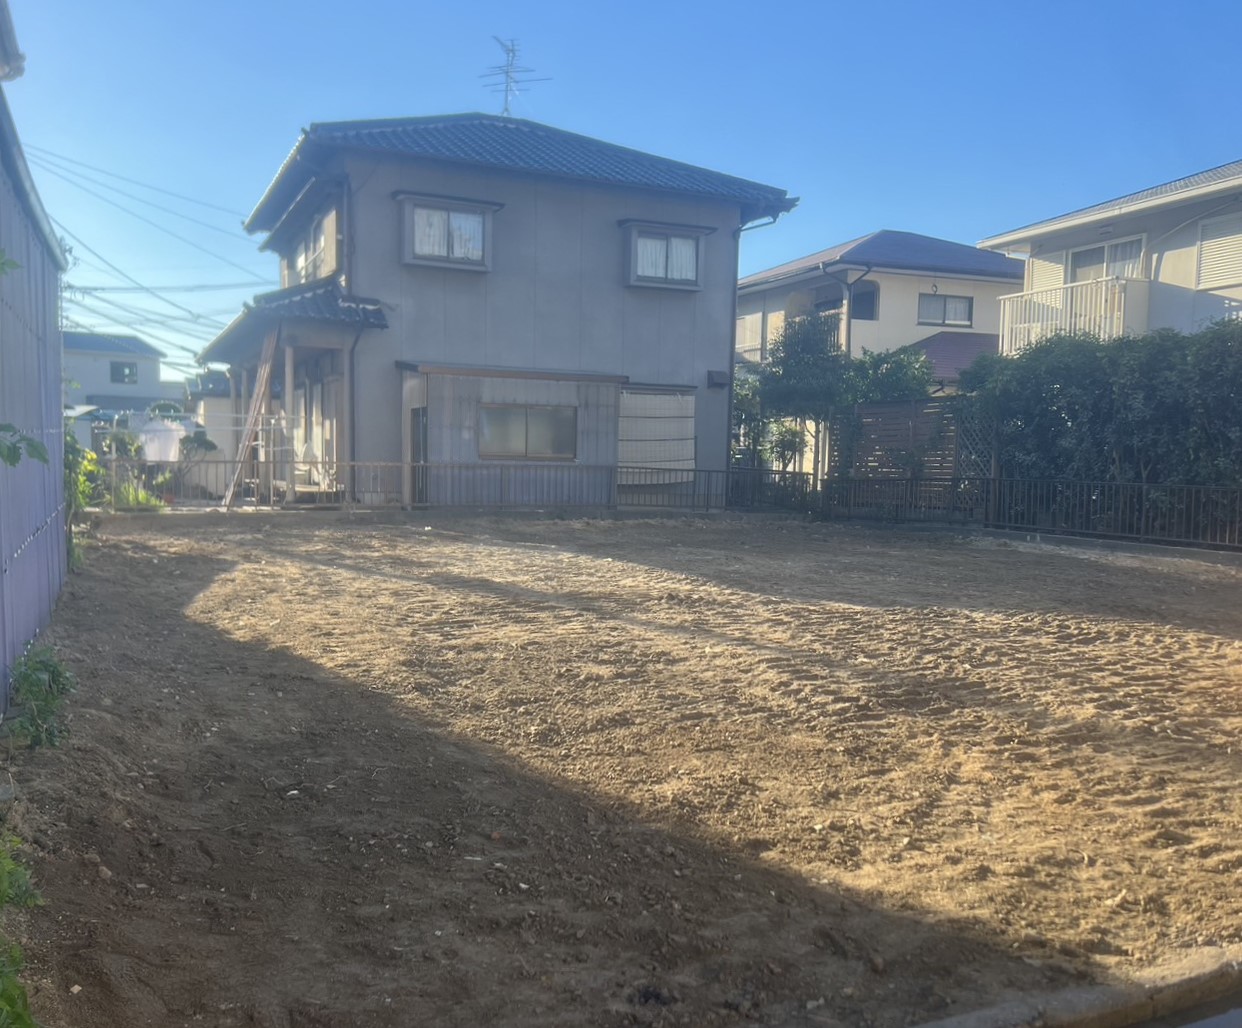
(1029, 233)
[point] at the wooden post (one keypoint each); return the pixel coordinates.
(290, 426)
(345, 430)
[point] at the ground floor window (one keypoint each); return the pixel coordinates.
(517, 431)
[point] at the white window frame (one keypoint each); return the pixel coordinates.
(449, 204)
(1234, 217)
(944, 322)
(1106, 243)
(666, 231)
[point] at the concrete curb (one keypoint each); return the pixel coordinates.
(1207, 975)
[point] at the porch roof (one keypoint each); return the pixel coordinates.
(322, 302)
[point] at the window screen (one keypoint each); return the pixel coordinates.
(512, 431)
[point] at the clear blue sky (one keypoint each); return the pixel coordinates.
(956, 119)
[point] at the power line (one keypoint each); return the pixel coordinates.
(124, 275)
(64, 173)
(198, 288)
(199, 318)
(147, 334)
(131, 181)
(161, 228)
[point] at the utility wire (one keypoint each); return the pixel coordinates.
(199, 319)
(111, 319)
(132, 181)
(123, 274)
(66, 173)
(139, 327)
(200, 288)
(167, 231)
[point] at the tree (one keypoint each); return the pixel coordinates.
(749, 423)
(807, 376)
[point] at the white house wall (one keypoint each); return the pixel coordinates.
(89, 374)
(897, 324)
(554, 298)
(1171, 246)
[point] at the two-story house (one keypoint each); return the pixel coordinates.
(1165, 257)
(891, 289)
(478, 292)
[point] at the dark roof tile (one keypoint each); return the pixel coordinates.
(512, 144)
(900, 251)
(99, 342)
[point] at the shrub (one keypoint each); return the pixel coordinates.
(38, 686)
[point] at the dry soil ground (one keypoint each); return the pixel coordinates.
(328, 771)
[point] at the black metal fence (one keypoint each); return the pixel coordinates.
(128, 484)
(1177, 514)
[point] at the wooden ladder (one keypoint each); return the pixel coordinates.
(262, 386)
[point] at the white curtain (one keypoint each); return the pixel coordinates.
(957, 310)
(430, 232)
(652, 257)
(931, 308)
(1087, 265)
(466, 235)
(1124, 258)
(683, 262)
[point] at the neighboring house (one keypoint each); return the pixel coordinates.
(490, 293)
(1165, 257)
(116, 375)
(32, 524)
(892, 289)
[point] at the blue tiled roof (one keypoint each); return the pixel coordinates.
(1225, 175)
(319, 301)
(98, 342)
(512, 144)
(899, 251)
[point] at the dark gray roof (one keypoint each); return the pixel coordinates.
(321, 301)
(99, 342)
(512, 144)
(1224, 175)
(899, 251)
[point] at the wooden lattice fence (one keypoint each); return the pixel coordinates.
(921, 439)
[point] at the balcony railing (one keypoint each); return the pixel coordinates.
(1107, 308)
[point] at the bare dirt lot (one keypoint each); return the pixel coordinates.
(328, 771)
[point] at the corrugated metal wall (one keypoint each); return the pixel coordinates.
(32, 527)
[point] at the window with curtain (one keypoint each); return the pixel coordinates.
(1122, 259)
(520, 432)
(448, 234)
(665, 257)
(940, 309)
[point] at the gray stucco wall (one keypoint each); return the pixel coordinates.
(555, 297)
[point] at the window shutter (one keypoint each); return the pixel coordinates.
(656, 430)
(1220, 252)
(1047, 272)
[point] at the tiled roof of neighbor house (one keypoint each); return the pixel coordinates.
(512, 144)
(899, 251)
(99, 342)
(951, 353)
(108, 402)
(1223, 178)
(208, 383)
(322, 301)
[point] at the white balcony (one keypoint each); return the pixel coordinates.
(1107, 308)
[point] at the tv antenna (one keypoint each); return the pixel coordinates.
(508, 77)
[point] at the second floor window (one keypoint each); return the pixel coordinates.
(939, 309)
(313, 254)
(1122, 259)
(125, 372)
(667, 258)
(446, 231)
(449, 235)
